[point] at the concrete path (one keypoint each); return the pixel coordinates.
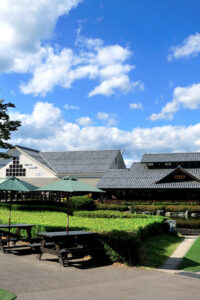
(31, 279)
(173, 262)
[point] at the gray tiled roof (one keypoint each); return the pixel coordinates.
(35, 154)
(72, 162)
(80, 161)
(171, 157)
(139, 176)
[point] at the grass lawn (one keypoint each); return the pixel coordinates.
(191, 261)
(59, 220)
(156, 250)
(152, 251)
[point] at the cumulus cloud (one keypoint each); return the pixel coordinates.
(187, 97)
(55, 133)
(135, 106)
(106, 64)
(188, 48)
(110, 119)
(67, 106)
(84, 121)
(24, 34)
(23, 27)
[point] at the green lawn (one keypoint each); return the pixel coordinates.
(156, 250)
(59, 219)
(122, 242)
(6, 295)
(191, 261)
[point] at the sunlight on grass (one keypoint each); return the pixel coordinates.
(191, 261)
(157, 249)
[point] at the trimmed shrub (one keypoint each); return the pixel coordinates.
(108, 214)
(150, 208)
(78, 203)
(121, 246)
(184, 223)
(112, 207)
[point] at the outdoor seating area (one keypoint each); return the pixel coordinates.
(10, 240)
(65, 245)
(69, 245)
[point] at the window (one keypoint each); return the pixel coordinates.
(15, 169)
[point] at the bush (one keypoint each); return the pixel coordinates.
(183, 208)
(121, 246)
(108, 214)
(112, 207)
(150, 208)
(171, 208)
(78, 203)
(83, 203)
(184, 223)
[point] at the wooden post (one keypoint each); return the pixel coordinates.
(67, 195)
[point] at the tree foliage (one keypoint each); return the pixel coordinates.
(7, 126)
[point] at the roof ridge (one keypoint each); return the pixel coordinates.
(81, 151)
(26, 148)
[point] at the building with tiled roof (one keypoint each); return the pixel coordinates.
(40, 168)
(174, 176)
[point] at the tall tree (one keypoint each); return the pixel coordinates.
(7, 126)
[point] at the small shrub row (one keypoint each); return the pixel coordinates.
(112, 207)
(123, 247)
(150, 208)
(184, 223)
(129, 203)
(170, 208)
(108, 214)
(78, 203)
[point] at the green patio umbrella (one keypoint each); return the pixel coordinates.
(70, 185)
(10, 184)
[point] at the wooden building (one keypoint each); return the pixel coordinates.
(157, 177)
(40, 168)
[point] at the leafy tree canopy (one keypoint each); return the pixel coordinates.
(7, 126)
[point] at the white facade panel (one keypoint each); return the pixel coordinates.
(33, 168)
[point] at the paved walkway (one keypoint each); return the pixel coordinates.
(173, 262)
(31, 279)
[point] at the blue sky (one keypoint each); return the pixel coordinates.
(88, 75)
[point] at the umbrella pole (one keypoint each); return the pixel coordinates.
(67, 214)
(10, 208)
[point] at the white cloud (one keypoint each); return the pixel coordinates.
(24, 33)
(55, 133)
(84, 121)
(67, 106)
(23, 27)
(102, 63)
(110, 119)
(102, 116)
(135, 106)
(188, 97)
(188, 48)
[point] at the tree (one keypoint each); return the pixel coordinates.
(7, 126)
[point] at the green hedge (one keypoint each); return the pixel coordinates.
(123, 247)
(108, 214)
(112, 207)
(78, 203)
(170, 208)
(190, 223)
(119, 246)
(129, 203)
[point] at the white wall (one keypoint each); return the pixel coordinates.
(33, 169)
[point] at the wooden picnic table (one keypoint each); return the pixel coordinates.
(7, 237)
(65, 246)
